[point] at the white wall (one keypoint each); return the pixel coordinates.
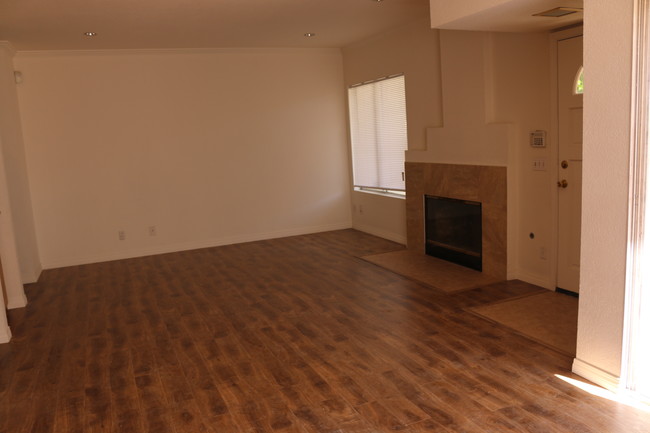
(13, 285)
(209, 146)
(5, 331)
(608, 62)
(445, 11)
(16, 170)
(472, 98)
(13, 281)
(522, 95)
(500, 15)
(495, 90)
(414, 50)
(468, 134)
(608, 48)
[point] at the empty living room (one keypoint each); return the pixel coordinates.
(355, 216)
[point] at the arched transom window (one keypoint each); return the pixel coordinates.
(579, 83)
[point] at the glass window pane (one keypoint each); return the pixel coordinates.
(579, 84)
(378, 133)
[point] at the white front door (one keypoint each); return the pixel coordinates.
(570, 163)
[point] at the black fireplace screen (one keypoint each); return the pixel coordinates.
(453, 231)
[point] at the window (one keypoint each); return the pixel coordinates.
(378, 134)
(579, 84)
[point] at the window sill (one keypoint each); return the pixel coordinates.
(383, 193)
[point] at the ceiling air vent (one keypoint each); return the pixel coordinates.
(558, 12)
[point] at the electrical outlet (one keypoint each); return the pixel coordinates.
(152, 231)
(121, 235)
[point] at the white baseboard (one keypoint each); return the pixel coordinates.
(17, 301)
(31, 277)
(400, 239)
(185, 246)
(16, 304)
(537, 280)
(5, 335)
(596, 375)
(28, 278)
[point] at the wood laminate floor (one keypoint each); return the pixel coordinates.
(287, 335)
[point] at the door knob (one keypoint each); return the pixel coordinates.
(562, 183)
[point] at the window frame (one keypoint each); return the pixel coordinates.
(353, 126)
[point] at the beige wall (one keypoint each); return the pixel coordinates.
(495, 90)
(209, 146)
(16, 170)
(608, 60)
(13, 284)
(500, 15)
(445, 11)
(473, 98)
(5, 332)
(414, 50)
(521, 95)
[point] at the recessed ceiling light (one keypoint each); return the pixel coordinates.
(310, 35)
(558, 12)
(89, 34)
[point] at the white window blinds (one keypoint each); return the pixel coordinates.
(378, 133)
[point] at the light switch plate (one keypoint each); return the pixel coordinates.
(539, 164)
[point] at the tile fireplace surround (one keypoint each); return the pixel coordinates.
(483, 184)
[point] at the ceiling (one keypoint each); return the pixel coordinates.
(132, 24)
(502, 15)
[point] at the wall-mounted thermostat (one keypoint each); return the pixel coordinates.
(538, 138)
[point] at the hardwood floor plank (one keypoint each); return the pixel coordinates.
(153, 404)
(379, 416)
(69, 417)
(124, 396)
(186, 418)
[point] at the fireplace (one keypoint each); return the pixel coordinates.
(453, 230)
(466, 183)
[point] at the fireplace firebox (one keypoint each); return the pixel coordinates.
(453, 230)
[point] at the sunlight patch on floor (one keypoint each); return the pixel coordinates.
(622, 398)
